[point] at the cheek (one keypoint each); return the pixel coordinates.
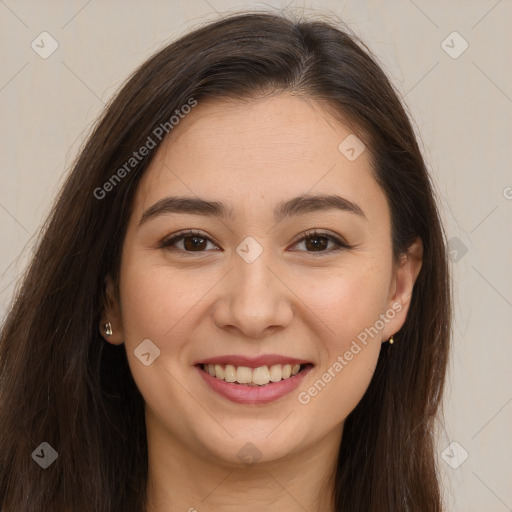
(158, 304)
(348, 307)
(340, 385)
(346, 302)
(155, 300)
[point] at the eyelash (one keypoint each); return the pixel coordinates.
(167, 243)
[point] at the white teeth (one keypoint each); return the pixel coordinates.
(261, 375)
(276, 373)
(229, 373)
(219, 371)
(243, 375)
(252, 376)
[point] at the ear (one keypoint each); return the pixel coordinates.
(405, 275)
(111, 312)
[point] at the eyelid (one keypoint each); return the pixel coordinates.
(167, 242)
(310, 233)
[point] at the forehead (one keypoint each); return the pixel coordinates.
(274, 147)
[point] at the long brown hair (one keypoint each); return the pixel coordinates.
(61, 383)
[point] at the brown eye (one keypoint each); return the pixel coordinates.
(193, 243)
(319, 242)
(187, 242)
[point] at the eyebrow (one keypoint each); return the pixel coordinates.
(295, 206)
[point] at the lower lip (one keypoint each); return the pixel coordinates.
(254, 394)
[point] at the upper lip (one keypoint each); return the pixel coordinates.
(253, 362)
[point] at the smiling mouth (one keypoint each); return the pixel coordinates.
(260, 376)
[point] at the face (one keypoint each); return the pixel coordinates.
(265, 285)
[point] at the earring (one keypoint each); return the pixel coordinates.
(108, 329)
(391, 340)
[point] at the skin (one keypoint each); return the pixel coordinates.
(291, 300)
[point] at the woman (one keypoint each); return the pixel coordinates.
(241, 296)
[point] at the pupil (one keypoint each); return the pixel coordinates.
(192, 243)
(316, 246)
(197, 242)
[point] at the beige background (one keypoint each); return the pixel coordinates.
(461, 106)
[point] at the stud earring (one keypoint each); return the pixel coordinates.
(391, 340)
(108, 329)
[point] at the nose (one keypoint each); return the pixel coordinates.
(254, 299)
